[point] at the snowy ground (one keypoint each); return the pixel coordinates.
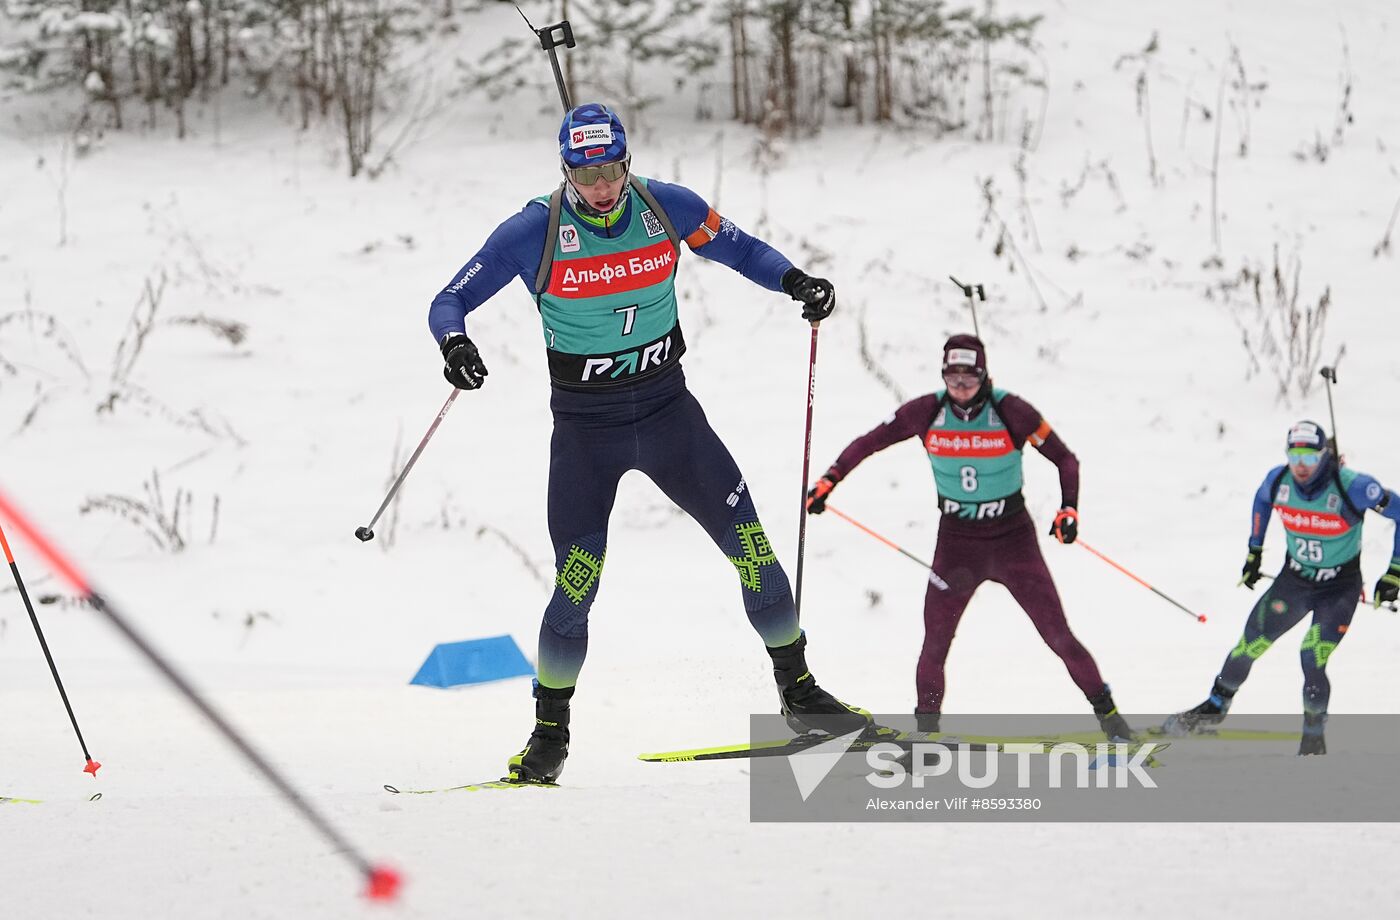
(307, 638)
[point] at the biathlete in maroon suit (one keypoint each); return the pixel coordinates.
(973, 434)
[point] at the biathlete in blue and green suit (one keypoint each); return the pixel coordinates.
(599, 257)
(1321, 504)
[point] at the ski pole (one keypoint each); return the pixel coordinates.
(888, 542)
(1200, 617)
(1330, 375)
(381, 882)
(551, 37)
(968, 290)
(806, 468)
(92, 766)
(366, 533)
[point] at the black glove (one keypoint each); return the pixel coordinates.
(817, 295)
(1065, 527)
(816, 496)
(1387, 589)
(464, 369)
(1249, 575)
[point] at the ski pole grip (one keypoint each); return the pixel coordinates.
(561, 33)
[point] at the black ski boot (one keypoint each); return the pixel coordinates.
(1203, 717)
(542, 760)
(927, 722)
(1113, 724)
(1313, 742)
(806, 705)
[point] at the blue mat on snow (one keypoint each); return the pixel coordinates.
(475, 661)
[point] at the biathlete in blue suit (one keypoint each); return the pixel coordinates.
(1321, 504)
(599, 257)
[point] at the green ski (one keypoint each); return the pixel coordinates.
(472, 787)
(889, 736)
(9, 800)
(1226, 734)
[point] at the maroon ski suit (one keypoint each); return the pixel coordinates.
(1001, 548)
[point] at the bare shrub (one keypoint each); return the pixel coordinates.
(1244, 97)
(872, 364)
(1004, 247)
(1383, 247)
(1281, 332)
(230, 331)
(122, 388)
(1100, 170)
(1143, 60)
(44, 330)
(166, 522)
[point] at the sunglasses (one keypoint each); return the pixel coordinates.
(589, 175)
(962, 380)
(1305, 457)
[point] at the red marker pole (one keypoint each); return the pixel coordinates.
(381, 883)
(1199, 617)
(92, 766)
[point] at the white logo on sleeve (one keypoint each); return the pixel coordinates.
(1373, 491)
(467, 276)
